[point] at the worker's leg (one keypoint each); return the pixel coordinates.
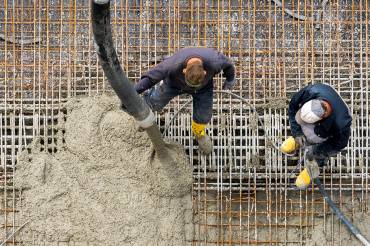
(322, 161)
(202, 105)
(159, 96)
(202, 115)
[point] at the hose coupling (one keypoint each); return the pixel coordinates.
(148, 121)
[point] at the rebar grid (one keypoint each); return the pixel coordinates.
(242, 194)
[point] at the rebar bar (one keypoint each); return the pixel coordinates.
(242, 193)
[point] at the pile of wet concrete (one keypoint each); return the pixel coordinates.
(105, 185)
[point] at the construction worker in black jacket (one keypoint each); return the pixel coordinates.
(191, 71)
(320, 122)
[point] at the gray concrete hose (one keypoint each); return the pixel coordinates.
(134, 104)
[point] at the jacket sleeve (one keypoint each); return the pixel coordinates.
(153, 76)
(333, 145)
(295, 104)
(227, 67)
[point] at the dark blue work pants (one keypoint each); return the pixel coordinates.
(160, 95)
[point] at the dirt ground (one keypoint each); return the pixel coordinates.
(281, 221)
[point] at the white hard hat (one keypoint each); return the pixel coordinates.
(312, 111)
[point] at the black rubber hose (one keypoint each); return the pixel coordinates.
(130, 100)
(340, 215)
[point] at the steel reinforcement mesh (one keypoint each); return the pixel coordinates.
(243, 193)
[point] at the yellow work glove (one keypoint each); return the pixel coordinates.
(309, 173)
(289, 145)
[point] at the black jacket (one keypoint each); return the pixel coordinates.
(337, 127)
(170, 70)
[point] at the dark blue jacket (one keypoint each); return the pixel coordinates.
(336, 127)
(171, 69)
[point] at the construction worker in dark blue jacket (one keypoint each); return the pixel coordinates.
(191, 71)
(320, 122)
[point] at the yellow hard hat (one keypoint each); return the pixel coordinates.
(288, 146)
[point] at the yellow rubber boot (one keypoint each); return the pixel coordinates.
(204, 141)
(288, 146)
(303, 180)
(199, 130)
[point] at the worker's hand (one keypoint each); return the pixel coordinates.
(140, 88)
(228, 85)
(312, 167)
(123, 108)
(300, 140)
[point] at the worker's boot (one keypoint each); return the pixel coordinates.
(204, 141)
(309, 173)
(289, 146)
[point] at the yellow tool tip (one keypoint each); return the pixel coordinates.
(303, 180)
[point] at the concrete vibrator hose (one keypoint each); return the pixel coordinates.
(354, 230)
(131, 101)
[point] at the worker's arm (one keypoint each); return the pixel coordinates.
(153, 76)
(333, 145)
(295, 104)
(228, 70)
(227, 67)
